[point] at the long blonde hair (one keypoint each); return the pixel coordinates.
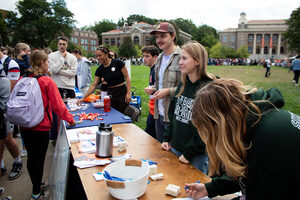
(198, 53)
(36, 59)
(219, 113)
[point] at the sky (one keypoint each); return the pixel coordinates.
(220, 14)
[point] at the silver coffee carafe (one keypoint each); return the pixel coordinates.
(104, 141)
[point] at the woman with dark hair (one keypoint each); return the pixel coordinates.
(114, 74)
(250, 138)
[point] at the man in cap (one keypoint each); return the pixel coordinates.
(167, 75)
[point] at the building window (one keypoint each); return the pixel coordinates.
(224, 38)
(106, 41)
(258, 38)
(266, 50)
(273, 50)
(282, 50)
(92, 42)
(267, 38)
(250, 49)
(86, 47)
(232, 38)
(86, 41)
(118, 41)
(136, 40)
(75, 32)
(147, 40)
(82, 41)
(250, 38)
(258, 49)
(112, 41)
(282, 38)
(76, 40)
(95, 42)
(274, 38)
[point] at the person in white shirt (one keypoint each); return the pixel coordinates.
(63, 67)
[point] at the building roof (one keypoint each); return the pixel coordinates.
(270, 21)
(113, 31)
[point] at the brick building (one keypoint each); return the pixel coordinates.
(263, 38)
(139, 33)
(88, 40)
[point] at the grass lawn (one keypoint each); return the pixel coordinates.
(250, 75)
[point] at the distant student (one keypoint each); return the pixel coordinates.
(251, 139)
(84, 76)
(167, 75)
(296, 69)
(150, 54)
(36, 139)
(22, 53)
(181, 136)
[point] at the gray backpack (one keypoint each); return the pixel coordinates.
(25, 105)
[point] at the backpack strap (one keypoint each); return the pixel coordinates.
(6, 63)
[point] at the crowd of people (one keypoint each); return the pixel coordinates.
(240, 136)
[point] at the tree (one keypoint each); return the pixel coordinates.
(40, 22)
(221, 51)
(127, 48)
(3, 32)
(206, 35)
(139, 18)
(103, 26)
(186, 25)
(242, 52)
(293, 32)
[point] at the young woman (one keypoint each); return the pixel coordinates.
(181, 136)
(22, 53)
(36, 139)
(113, 73)
(250, 138)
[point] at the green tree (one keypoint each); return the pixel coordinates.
(3, 32)
(186, 25)
(206, 35)
(121, 22)
(293, 32)
(139, 18)
(242, 52)
(127, 48)
(40, 22)
(103, 26)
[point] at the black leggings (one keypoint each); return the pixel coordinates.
(36, 143)
(296, 75)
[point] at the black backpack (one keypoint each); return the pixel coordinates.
(5, 64)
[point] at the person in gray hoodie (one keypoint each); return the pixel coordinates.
(250, 138)
(84, 76)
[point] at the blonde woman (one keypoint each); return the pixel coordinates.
(251, 139)
(36, 139)
(22, 53)
(181, 137)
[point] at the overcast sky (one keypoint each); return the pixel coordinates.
(219, 14)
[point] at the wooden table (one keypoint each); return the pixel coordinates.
(143, 146)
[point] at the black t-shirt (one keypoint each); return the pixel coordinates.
(111, 74)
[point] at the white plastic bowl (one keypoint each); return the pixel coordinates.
(98, 104)
(133, 188)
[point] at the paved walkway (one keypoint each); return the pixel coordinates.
(21, 188)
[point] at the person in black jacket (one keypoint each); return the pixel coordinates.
(251, 139)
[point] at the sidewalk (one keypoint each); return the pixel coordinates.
(21, 188)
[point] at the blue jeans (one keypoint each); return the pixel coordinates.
(199, 161)
(160, 127)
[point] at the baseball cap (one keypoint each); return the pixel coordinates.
(164, 27)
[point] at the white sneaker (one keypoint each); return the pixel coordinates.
(294, 81)
(297, 84)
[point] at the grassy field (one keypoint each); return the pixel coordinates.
(250, 75)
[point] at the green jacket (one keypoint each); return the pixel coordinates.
(180, 132)
(274, 156)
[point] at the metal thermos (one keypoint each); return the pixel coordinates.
(104, 141)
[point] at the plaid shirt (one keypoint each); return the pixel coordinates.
(171, 79)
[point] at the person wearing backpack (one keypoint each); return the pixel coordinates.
(10, 69)
(36, 138)
(5, 127)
